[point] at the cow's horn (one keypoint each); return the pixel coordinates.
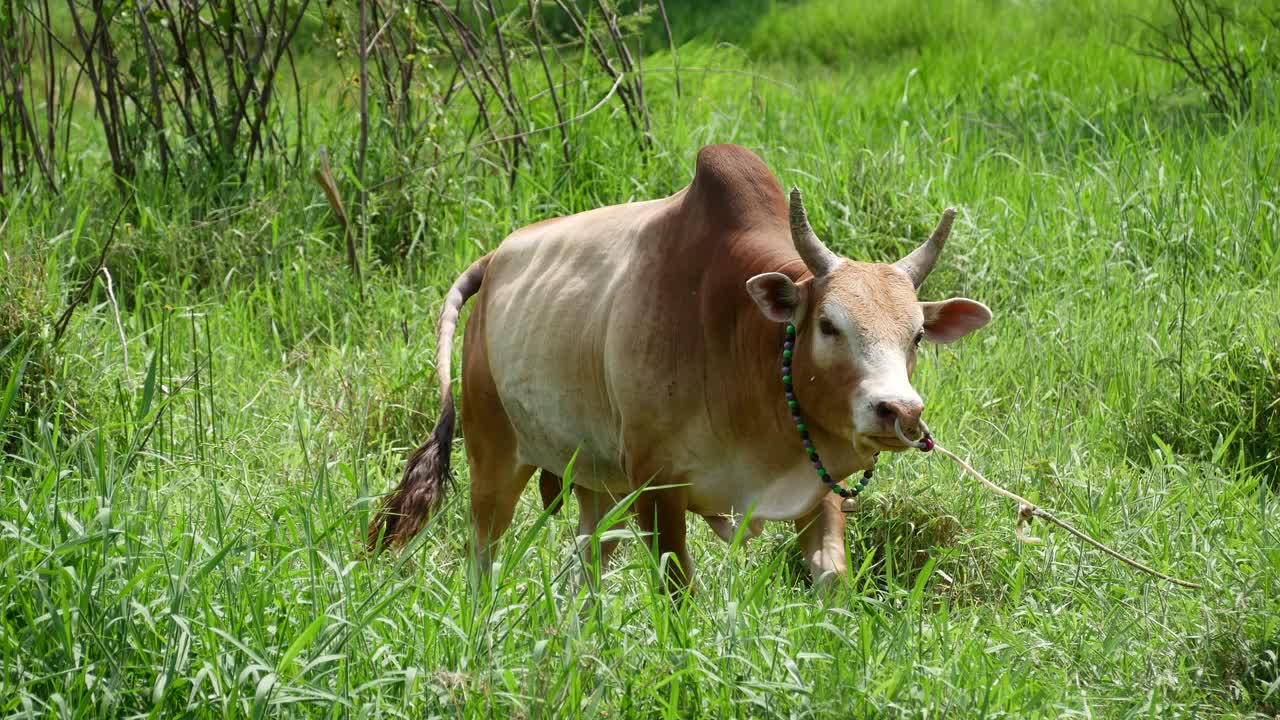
(918, 264)
(816, 256)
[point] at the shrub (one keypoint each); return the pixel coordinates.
(24, 349)
(1230, 406)
(1215, 47)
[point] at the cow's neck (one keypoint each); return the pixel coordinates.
(760, 358)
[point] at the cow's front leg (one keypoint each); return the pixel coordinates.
(822, 541)
(661, 516)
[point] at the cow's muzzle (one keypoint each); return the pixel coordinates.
(925, 440)
(901, 413)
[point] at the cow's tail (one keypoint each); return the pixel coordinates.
(426, 474)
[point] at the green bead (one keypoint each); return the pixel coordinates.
(791, 329)
(822, 473)
(792, 404)
(786, 354)
(801, 427)
(786, 379)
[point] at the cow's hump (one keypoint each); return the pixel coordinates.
(733, 187)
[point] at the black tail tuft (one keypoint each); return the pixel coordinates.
(421, 491)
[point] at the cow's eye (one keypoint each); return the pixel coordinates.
(827, 328)
(919, 337)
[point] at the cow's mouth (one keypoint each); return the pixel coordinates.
(887, 442)
(897, 440)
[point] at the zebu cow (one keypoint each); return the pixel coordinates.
(648, 337)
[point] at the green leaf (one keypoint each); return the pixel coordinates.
(148, 388)
(298, 645)
(217, 559)
(11, 390)
(262, 694)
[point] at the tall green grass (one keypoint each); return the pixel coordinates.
(180, 536)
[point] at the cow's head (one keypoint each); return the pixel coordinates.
(857, 329)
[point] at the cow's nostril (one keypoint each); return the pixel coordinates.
(905, 411)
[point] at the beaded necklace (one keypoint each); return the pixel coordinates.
(788, 349)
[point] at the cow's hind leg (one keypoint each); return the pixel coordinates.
(497, 475)
(497, 481)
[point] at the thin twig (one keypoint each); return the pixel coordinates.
(551, 84)
(504, 65)
(472, 84)
(124, 342)
(671, 41)
(362, 196)
(61, 324)
(636, 88)
(386, 24)
(464, 40)
(598, 51)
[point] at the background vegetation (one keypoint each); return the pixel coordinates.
(193, 435)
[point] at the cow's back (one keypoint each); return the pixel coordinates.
(610, 329)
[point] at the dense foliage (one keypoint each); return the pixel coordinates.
(188, 462)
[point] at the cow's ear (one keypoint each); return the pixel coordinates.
(780, 299)
(950, 320)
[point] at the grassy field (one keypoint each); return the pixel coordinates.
(181, 512)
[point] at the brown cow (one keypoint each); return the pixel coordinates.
(648, 338)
